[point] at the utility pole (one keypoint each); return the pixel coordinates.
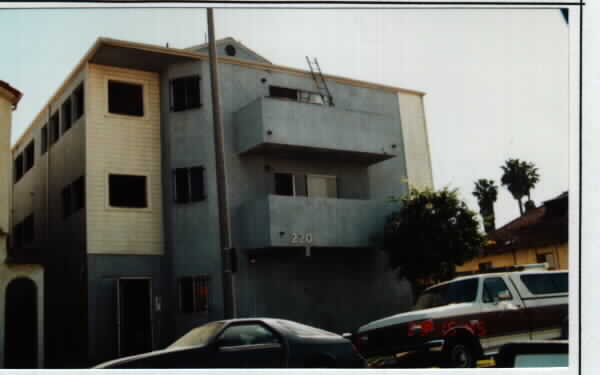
(224, 219)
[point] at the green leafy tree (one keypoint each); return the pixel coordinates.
(486, 193)
(519, 177)
(432, 233)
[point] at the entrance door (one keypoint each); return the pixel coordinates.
(134, 315)
(20, 325)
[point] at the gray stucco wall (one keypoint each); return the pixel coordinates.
(192, 229)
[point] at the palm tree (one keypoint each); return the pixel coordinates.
(519, 177)
(486, 193)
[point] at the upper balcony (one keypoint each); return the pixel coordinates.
(306, 131)
(286, 221)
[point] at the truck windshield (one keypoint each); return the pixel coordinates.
(454, 292)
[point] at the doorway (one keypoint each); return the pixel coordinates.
(20, 324)
(134, 315)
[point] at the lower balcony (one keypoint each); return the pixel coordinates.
(285, 221)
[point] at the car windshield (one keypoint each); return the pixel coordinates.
(198, 336)
(454, 292)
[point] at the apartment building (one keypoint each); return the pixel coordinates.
(115, 180)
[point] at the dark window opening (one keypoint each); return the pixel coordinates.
(78, 102)
(66, 115)
(125, 98)
(29, 156)
(230, 50)
(189, 184)
(127, 191)
(18, 167)
(44, 147)
(284, 184)
(54, 128)
(185, 93)
(78, 194)
(66, 201)
(193, 294)
(283, 92)
(28, 230)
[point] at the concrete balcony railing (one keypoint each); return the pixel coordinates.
(284, 221)
(269, 125)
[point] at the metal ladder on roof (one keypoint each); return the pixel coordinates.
(315, 70)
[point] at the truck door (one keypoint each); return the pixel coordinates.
(502, 314)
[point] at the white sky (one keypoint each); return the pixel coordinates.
(496, 79)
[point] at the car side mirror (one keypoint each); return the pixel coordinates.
(504, 295)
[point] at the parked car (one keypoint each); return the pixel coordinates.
(250, 343)
(534, 354)
(471, 317)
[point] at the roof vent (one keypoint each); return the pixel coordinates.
(230, 50)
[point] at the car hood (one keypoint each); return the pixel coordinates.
(139, 357)
(411, 316)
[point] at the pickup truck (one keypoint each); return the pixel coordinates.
(471, 317)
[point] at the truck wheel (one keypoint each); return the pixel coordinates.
(461, 355)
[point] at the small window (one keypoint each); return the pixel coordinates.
(125, 98)
(495, 289)
(78, 103)
(546, 283)
(44, 147)
(78, 194)
(29, 156)
(28, 230)
(247, 334)
(193, 294)
(283, 92)
(185, 93)
(66, 201)
(18, 167)
(321, 186)
(546, 258)
(66, 115)
(189, 184)
(54, 128)
(127, 191)
(284, 184)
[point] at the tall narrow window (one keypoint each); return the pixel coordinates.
(193, 294)
(127, 191)
(78, 194)
(44, 146)
(78, 103)
(66, 115)
(18, 167)
(185, 93)
(29, 156)
(189, 184)
(125, 98)
(54, 128)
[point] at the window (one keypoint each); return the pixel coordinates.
(193, 294)
(446, 294)
(321, 186)
(125, 98)
(185, 93)
(78, 103)
(485, 266)
(189, 184)
(54, 128)
(302, 185)
(73, 197)
(66, 201)
(284, 184)
(495, 289)
(18, 167)
(127, 191)
(546, 258)
(247, 334)
(28, 230)
(29, 156)
(546, 283)
(66, 115)
(44, 147)
(298, 95)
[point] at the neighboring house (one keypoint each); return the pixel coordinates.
(115, 180)
(21, 282)
(539, 236)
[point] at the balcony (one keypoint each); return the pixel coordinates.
(310, 131)
(284, 221)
